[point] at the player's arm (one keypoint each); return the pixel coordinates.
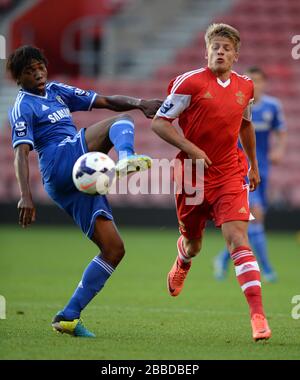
(164, 129)
(248, 141)
(25, 205)
(174, 105)
(120, 103)
(278, 150)
(279, 133)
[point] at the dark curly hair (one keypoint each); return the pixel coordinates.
(21, 58)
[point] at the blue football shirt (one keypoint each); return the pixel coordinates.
(267, 116)
(44, 121)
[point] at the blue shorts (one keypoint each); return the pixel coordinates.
(83, 208)
(259, 196)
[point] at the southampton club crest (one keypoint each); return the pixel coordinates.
(240, 98)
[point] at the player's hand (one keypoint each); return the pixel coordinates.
(26, 211)
(254, 178)
(150, 107)
(276, 156)
(199, 154)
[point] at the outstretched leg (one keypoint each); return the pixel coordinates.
(248, 275)
(97, 135)
(118, 132)
(108, 240)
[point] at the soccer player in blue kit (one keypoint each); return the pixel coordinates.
(267, 117)
(41, 120)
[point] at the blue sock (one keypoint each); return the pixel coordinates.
(258, 241)
(93, 280)
(121, 134)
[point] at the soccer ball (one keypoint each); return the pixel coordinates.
(93, 173)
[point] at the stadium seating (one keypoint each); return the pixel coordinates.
(5, 4)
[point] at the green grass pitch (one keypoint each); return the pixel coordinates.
(134, 317)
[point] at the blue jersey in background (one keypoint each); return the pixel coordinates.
(267, 116)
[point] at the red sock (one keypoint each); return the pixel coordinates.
(248, 275)
(183, 259)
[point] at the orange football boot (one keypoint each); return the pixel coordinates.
(177, 276)
(260, 327)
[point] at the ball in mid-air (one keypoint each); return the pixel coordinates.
(94, 173)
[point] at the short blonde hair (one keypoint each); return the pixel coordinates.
(223, 30)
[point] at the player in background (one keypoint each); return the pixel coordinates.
(268, 121)
(41, 120)
(213, 106)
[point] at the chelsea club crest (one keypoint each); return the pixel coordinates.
(59, 99)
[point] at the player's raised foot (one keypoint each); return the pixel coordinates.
(74, 327)
(260, 328)
(133, 163)
(176, 277)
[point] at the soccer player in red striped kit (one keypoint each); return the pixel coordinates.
(213, 105)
